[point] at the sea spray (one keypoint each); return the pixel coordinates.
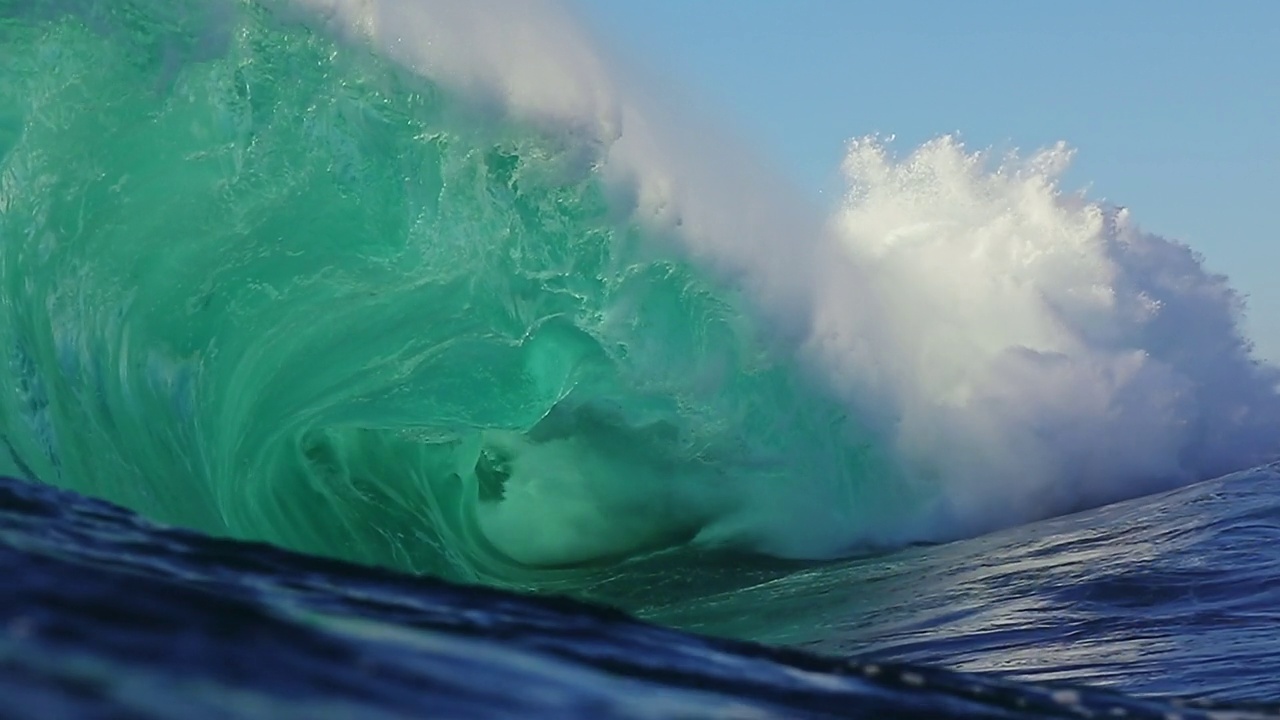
(1035, 350)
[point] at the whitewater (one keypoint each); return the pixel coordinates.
(435, 286)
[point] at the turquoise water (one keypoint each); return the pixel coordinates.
(266, 285)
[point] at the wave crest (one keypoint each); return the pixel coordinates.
(262, 282)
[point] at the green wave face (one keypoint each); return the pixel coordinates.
(267, 285)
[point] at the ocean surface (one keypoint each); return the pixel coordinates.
(392, 358)
(1148, 609)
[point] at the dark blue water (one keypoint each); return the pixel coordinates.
(1159, 605)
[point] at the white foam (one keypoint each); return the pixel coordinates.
(1034, 351)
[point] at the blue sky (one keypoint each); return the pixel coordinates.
(1173, 106)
